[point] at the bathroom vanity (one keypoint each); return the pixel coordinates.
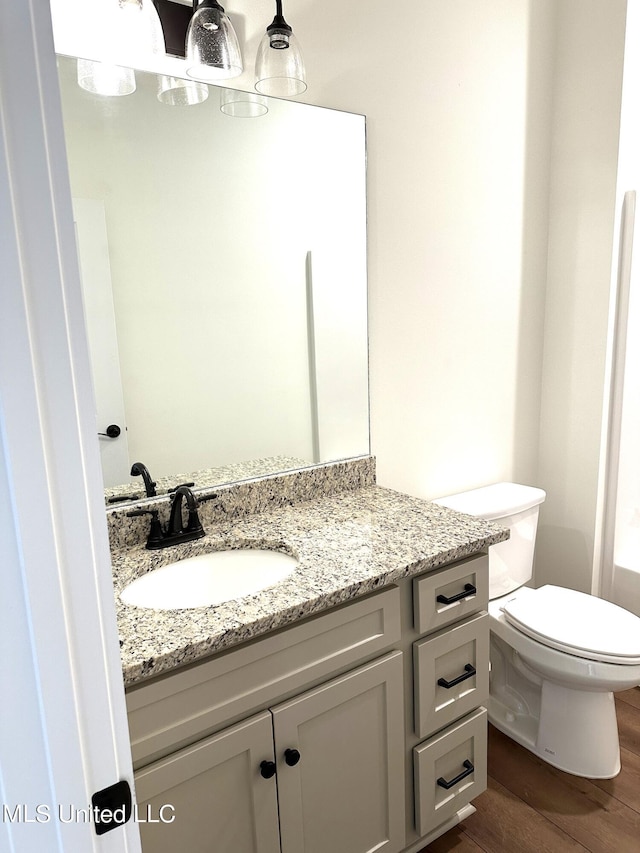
(341, 710)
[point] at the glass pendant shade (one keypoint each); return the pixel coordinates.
(128, 29)
(279, 64)
(212, 48)
(139, 30)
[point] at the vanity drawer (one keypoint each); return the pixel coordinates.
(451, 674)
(179, 708)
(450, 770)
(449, 594)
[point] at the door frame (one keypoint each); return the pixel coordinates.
(64, 732)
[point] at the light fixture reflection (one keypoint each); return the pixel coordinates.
(242, 104)
(181, 93)
(279, 64)
(100, 78)
(212, 48)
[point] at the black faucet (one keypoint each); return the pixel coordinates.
(175, 533)
(140, 470)
(193, 530)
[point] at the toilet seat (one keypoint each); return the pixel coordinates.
(576, 623)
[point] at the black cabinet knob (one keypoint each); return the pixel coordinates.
(267, 769)
(291, 757)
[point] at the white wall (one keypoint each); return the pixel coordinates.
(588, 77)
(617, 531)
(456, 287)
(492, 152)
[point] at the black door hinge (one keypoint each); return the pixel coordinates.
(111, 807)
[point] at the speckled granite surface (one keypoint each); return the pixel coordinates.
(248, 497)
(347, 544)
(208, 478)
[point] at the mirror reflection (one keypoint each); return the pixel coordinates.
(222, 248)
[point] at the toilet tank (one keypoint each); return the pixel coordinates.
(510, 505)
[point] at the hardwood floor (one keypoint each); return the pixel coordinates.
(530, 807)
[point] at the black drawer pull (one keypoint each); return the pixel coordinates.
(469, 768)
(469, 671)
(469, 589)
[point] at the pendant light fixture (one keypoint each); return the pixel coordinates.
(279, 64)
(212, 48)
(134, 26)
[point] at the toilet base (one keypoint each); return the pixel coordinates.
(576, 731)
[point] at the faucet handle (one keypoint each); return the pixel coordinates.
(120, 498)
(156, 533)
(175, 488)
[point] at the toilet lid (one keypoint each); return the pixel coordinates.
(579, 624)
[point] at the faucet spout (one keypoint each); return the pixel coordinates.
(140, 470)
(193, 529)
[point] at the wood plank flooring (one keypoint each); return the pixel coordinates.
(530, 807)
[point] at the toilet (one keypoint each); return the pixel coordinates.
(557, 655)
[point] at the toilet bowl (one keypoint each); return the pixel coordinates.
(557, 655)
(556, 702)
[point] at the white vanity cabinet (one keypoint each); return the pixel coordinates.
(337, 753)
(330, 687)
(332, 734)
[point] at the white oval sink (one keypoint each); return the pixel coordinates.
(209, 579)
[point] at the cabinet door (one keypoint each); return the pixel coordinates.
(219, 801)
(346, 792)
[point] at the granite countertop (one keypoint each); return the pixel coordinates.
(347, 544)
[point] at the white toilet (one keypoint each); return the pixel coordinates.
(557, 655)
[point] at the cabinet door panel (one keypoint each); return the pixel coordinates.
(346, 793)
(219, 800)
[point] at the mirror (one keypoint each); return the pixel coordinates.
(223, 261)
